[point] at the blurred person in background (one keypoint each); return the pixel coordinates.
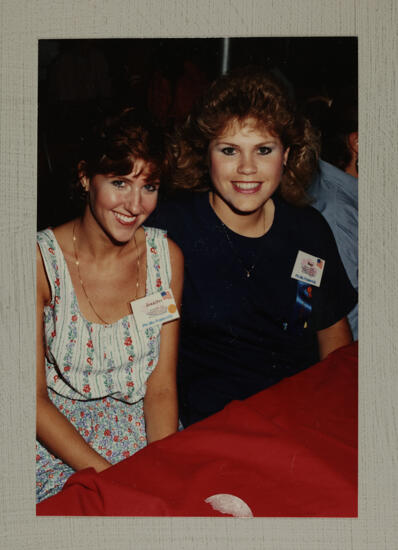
(334, 189)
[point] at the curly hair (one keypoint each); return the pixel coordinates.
(118, 141)
(247, 93)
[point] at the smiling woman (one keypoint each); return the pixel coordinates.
(245, 167)
(119, 204)
(252, 315)
(105, 385)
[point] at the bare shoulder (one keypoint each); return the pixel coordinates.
(63, 234)
(176, 255)
(42, 284)
(177, 270)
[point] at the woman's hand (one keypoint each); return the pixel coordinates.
(160, 401)
(334, 337)
(53, 429)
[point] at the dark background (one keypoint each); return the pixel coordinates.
(79, 79)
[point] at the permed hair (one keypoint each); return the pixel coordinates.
(118, 141)
(247, 93)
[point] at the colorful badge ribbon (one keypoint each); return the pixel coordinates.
(302, 308)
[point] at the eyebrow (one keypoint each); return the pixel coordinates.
(126, 177)
(231, 144)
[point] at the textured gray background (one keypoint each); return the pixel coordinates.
(23, 22)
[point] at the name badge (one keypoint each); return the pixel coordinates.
(308, 269)
(155, 309)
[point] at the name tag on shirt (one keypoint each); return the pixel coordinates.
(308, 268)
(155, 309)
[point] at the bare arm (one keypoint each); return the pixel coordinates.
(160, 402)
(53, 429)
(334, 337)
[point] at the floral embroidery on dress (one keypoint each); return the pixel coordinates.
(129, 368)
(96, 374)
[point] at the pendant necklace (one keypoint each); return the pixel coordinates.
(248, 270)
(81, 281)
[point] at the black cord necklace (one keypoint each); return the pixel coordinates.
(248, 270)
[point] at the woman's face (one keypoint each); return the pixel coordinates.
(120, 204)
(245, 165)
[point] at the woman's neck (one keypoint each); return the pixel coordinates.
(351, 168)
(95, 243)
(253, 224)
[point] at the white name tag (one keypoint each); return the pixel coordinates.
(155, 309)
(308, 269)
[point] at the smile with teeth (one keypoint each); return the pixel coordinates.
(246, 186)
(126, 220)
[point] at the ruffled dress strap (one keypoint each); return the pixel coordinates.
(158, 260)
(53, 260)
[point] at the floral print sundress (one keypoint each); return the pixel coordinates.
(96, 374)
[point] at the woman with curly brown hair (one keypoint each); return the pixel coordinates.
(265, 293)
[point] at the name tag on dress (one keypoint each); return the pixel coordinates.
(308, 268)
(155, 309)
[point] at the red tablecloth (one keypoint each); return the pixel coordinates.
(290, 450)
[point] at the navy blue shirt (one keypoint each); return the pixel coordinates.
(240, 335)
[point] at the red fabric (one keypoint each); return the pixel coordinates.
(290, 450)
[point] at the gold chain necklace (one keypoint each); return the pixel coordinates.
(81, 280)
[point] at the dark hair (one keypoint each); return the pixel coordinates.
(247, 92)
(342, 121)
(118, 141)
(316, 109)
